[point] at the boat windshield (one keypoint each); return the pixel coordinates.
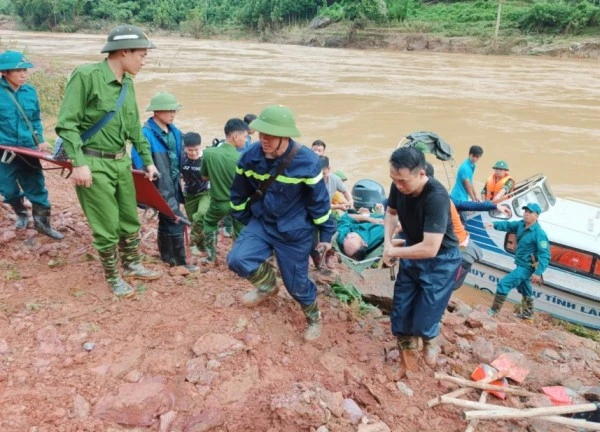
(549, 195)
(535, 195)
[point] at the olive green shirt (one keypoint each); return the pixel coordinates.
(91, 92)
(219, 165)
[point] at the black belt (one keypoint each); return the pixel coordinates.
(103, 154)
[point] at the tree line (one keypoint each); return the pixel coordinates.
(202, 16)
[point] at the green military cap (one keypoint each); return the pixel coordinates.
(501, 165)
(127, 37)
(276, 120)
(163, 101)
(341, 175)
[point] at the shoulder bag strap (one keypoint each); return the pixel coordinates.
(29, 125)
(107, 117)
(259, 193)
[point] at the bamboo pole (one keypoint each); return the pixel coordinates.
(483, 386)
(473, 423)
(531, 412)
(498, 17)
(582, 424)
(454, 394)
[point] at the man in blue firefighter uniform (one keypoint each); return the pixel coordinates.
(284, 218)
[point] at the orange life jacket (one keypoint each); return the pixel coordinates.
(492, 187)
(459, 228)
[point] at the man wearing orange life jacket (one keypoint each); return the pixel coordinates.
(499, 184)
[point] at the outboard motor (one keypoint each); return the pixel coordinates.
(366, 193)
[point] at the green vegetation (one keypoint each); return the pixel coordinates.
(579, 330)
(350, 295)
(205, 17)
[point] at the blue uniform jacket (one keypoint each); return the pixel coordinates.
(13, 127)
(169, 187)
(530, 241)
(296, 200)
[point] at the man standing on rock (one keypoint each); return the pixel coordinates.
(94, 140)
(429, 255)
(279, 194)
(531, 257)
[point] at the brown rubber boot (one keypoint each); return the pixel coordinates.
(314, 322)
(431, 351)
(409, 354)
(266, 286)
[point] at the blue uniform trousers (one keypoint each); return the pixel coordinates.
(421, 293)
(257, 242)
(519, 278)
(20, 178)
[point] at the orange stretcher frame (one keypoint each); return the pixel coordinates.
(146, 192)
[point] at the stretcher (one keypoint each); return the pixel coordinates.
(146, 192)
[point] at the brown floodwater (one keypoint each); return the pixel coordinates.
(538, 114)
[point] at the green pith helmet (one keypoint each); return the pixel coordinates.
(11, 60)
(500, 165)
(126, 37)
(163, 101)
(276, 120)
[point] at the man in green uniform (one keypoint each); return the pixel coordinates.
(219, 165)
(531, 257)
(101, 165)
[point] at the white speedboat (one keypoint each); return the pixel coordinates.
(571, 283)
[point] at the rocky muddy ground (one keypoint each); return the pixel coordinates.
(184, 355)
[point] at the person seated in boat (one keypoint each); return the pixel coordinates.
(532, 257)
(359, 234)
(499, 184)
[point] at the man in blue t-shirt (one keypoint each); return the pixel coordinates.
(463, 189)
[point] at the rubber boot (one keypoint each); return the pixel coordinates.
(165, 248)
(527, 309)
(266, 286)
(129, 247)
(210, 244)
(499, 300)
(41, 222)
(118, 286)
(227, 226)
(409, 354)
(313, 321)
(431, 351)
(21, 212)
(178, 248)
(197, 239)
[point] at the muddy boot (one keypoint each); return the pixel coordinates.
(227, 226)
(499, 300)
(210, 244)
(178, 247)
(41, 222)
(165, 248)
(313, 320)
(431, 351)
(266, 286)
(132, 260)
(197, 239)
(409, 354)
(117, 285)
(527, 309)
(21, 212)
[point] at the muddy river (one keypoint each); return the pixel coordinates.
(540, 115)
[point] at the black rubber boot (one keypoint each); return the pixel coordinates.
(178, 248)
(21, 212)
(165, 248)
(499, 300)
(41, 222)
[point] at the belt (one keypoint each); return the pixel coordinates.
(103, 154)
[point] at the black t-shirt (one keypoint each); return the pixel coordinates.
(429, 212)
(192, 180)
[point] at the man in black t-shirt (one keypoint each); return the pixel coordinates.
(429, 255)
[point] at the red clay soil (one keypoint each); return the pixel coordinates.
(184, 355)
